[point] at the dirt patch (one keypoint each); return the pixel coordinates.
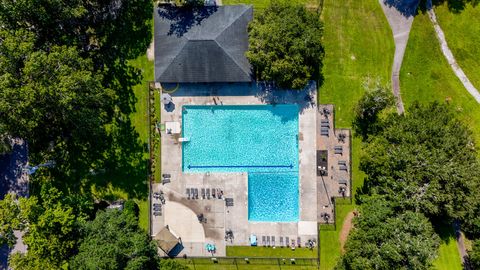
(347, 226)
(151, 52)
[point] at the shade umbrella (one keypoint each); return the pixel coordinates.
(166, 99)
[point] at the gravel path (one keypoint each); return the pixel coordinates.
(451, 59)
(400, 24)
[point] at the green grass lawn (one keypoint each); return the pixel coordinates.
(358, 47)
(426, 75)
(241, 251)
(262, 4)
(140, 121)
(448, 256)
(462, 31)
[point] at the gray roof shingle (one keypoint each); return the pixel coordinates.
(202, 45)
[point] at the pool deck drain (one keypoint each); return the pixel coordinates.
(180, 213)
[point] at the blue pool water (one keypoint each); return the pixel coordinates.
(259, 139)
(273, 197)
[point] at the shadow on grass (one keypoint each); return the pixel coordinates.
(413, 7)
(125, 163)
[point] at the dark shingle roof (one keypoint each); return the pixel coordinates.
(202, 45)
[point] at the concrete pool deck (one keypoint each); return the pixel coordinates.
(180, 213)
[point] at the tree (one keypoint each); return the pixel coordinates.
(53, 99)
(376, 99)
(13, 217)
(384, 238)
(50, 229)
(474, 255)
(285, 45)
(426, 161)
(113, 240)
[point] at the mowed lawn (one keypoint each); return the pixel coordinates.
(462, 31)
(258, 5)
(140, 121)
(358, 47)
(426, 76)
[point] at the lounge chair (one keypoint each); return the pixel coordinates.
(268, 241)
(343, 168)
(287, 241)
(157, 213)
(343, 181)
(299, 242)
(213, 193)
(203, 194)
(281, 241)
(273, 241)
(263, 241)
(342, 162)
(165, 181)
(166, 175)
(208, 193)
(188, 193)
(325, 125)
(324, 120)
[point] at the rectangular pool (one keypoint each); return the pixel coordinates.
(259, 139)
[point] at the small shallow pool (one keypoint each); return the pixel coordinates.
(259, 139)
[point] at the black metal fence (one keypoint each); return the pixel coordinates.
(243, 262)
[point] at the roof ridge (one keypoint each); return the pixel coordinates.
(234, 20)
(232, 58)
(173, 60)
(225, 50)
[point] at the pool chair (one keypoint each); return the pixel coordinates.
(203, 194)
(263, 241)
(287, 241)
(268, 241)
(281, 241)
(253, 240)
(273, 241)
(188, 193)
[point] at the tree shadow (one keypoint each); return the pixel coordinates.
(183, 19)
(125, 164)
(407, 8)
(413, 7)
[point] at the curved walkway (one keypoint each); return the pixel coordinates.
(400, 25)
(451, 60)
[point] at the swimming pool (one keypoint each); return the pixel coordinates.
(259, 139)
(273, 197)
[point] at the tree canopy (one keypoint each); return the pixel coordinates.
(474, 254)
(383, 238)
(376, 99)
(285, 45)
(113, 240)
(50, 225)
(426, 161)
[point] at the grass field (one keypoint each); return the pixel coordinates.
(262, 4)
(139, 120)
(358, 47)
(448, 256)
(462, 31)
(426, 75)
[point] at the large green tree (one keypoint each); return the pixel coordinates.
(285, 45)
(53, 99)
(50, 226)
(367, 112)
(474, 255)
(114, 241)
(426, 161)
(384, 238)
